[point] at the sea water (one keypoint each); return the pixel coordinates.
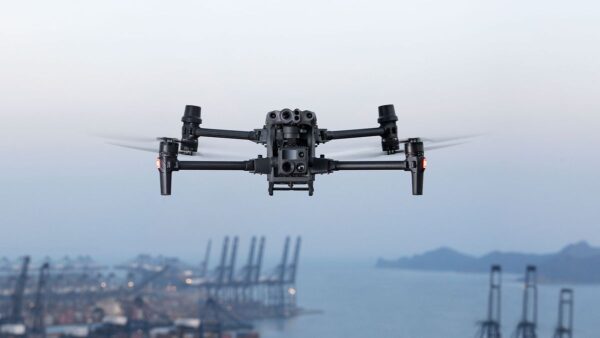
(358, 300)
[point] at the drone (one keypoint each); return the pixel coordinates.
(291, 138)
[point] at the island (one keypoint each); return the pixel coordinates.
(577, 263)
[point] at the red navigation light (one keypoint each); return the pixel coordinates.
(158, 163)
(424, 163)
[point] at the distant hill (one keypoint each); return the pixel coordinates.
(575, 263)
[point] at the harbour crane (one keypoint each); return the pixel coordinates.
(564, 327)
(38, 328)
(490, 328)
(527, 327)
(13, 325)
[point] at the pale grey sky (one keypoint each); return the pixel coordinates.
(527, 73)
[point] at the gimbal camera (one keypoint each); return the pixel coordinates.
(291, 137)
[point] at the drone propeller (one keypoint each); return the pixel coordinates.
(445, 139)
(374, 149)
(125, 138)
(147, 149)
(375, 152)
(124, 141)
(155, 151)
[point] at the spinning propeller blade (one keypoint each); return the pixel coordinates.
(200, 154)
(446, 139)
(124, 140)
(373, 152)
(147, 149)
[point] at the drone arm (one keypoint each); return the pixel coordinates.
(216, 165)
(190, 135)
(352, 133)
(168, 162)
(370, 165)
(387, 130)
(191, 130)
(416, 165)
(231, 134)
(323, 165)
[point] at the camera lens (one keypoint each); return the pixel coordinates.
(287, 167)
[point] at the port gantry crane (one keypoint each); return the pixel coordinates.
(292, 274)
(38, 328)
(225, 285)
(285, 279)
(215, 319)
(204, 265)
(16, 315)
(527, 327)
(131, 298)
(14, 325)
(245, 290)
(221, 270)
(564, 327)
(277, 293)
(490, 328)
(247, 272)
(232, 260)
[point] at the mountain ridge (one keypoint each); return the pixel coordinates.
(575, 263)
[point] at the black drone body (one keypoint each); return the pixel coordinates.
(291, 138)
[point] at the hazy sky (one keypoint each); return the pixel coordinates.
(526, 73)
